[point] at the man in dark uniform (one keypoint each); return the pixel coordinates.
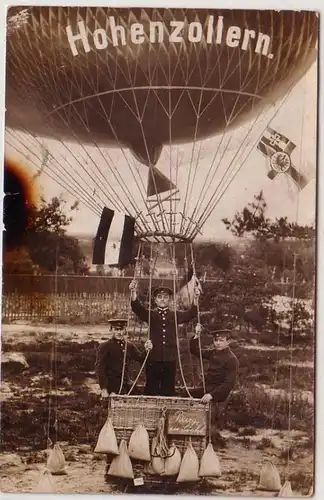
(161, 364)
(110, 359)
(222, 371)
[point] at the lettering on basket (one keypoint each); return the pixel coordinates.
(189, 422)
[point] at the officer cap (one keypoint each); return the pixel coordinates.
(118, 324)
(217, 334)
(162, 289)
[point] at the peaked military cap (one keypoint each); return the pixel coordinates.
(162, 289)
(118, 324)
(216, 334)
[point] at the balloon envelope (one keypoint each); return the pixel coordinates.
(144, 78)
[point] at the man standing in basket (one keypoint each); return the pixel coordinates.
(111, 357)
(162, 361)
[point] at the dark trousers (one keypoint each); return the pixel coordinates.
(197, 392)
(160, 378)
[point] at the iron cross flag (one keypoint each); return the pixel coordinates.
(278, 149)
(154, 279)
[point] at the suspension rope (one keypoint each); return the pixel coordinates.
(128, 321)
(186, 269)
(73, 186)
(218, 194)
(174, 273)
(149, 320)
(198, 319)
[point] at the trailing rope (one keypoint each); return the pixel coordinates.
(291, 366)
(293, 301)
(209, 423)
(53, 371)
(128, 321)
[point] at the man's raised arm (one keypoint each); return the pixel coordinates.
(137, 307)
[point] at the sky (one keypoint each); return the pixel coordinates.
(296, 119)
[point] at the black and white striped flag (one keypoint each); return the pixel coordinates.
(113, 244)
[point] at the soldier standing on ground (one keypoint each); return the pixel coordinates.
(110, 359)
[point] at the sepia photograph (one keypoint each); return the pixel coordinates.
(159, 251)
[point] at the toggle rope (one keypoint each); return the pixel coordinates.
(176, 325)
(128, 321)
(149, 324)
(149, 319)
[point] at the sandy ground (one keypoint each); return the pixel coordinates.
(241, 464)
(241, 457)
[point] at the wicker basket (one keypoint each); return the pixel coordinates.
(126, 412)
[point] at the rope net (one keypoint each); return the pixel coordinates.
(196, 175)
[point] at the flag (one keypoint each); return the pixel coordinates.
(186, 293)
(158, 183)
(278, 149)
(272, 142)
(114, 240)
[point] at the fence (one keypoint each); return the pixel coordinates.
(91, 299)
(75, 299)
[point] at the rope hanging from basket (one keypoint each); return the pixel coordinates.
(186, 269)
(174, 274)
(198, 319)
(149, 319)
(128, 319)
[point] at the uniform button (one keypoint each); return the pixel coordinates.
(163, 342)
(163, 330)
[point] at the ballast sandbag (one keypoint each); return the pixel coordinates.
(107, 441)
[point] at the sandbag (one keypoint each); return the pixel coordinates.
(189, 466)
(121, 465)
(209, 464)
(46, 484)
(157, 464)
(56, 461)
(139, 444)
(172, 462)
(155, 467)
(286, 491)
(107, 441)
(270, 478)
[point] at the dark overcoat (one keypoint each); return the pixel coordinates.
(109, 363)
(222, 372)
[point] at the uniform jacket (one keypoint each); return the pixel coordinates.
(163, 329)
(109, 363)
(222, 371)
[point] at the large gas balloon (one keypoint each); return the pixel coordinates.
(143, 78)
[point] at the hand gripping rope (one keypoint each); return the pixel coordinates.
(149, 321)
(176, 327)
(128, 320)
